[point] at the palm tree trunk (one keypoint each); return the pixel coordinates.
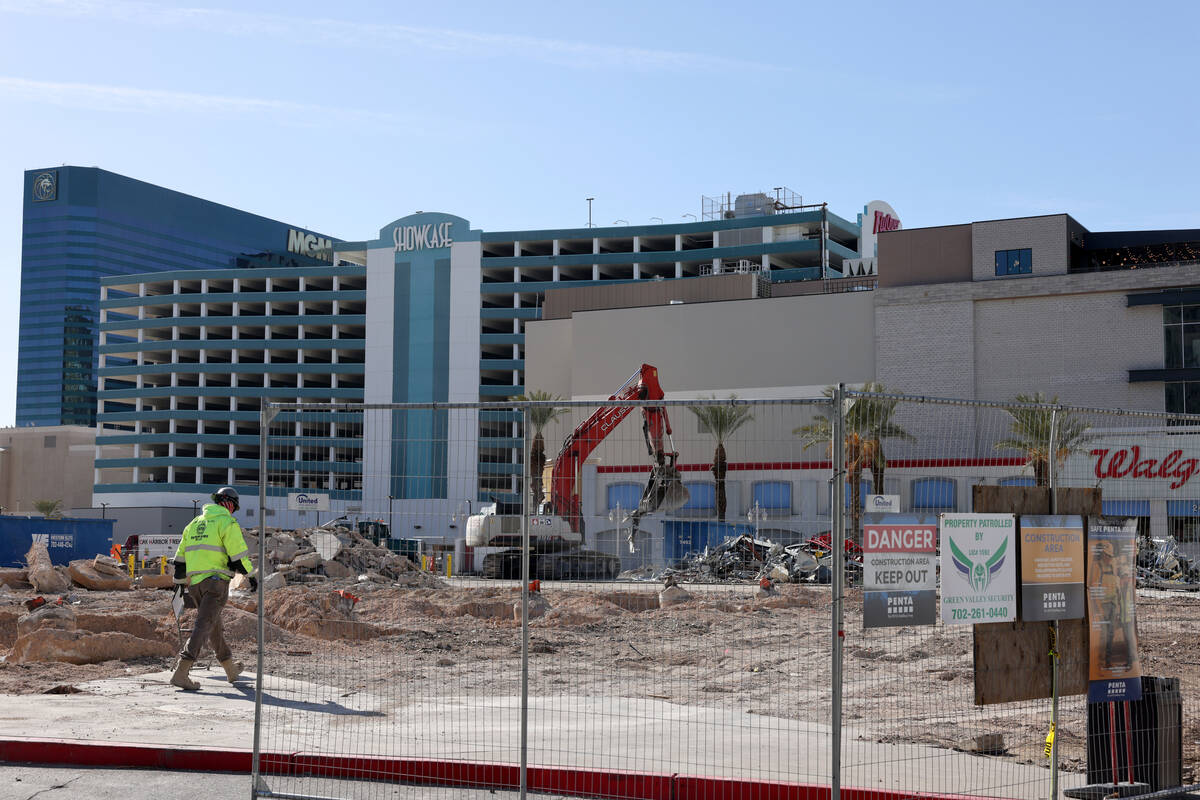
(877, 467)
(855, 502)
(718, 471)
(537, 463)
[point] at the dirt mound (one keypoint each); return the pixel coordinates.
(309, 611)
(142, 626)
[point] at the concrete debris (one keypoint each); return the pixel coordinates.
(745, 558)
(46, 579)
(99, 577)
(15, 578)
(1162, 565)
(81, 647)
(538, 606)
(333, 553)
(326, 543)
(47, 615)
(274, 581)
(672, 596)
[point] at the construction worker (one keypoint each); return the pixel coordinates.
(211, 550)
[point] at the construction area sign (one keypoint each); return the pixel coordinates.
(979, 575)
(1114, 667)
(899, 570)
(1051, 567)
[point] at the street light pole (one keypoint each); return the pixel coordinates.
(104, 510)
(590, 199)
(391, 526)
(195, 508)
(755, 515)
(617, 515)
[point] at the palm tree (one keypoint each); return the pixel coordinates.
(721, 421)
(50, 509)
(868, 421)
(1030, 429)
(539, 418)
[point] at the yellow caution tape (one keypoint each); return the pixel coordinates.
(1049, 741)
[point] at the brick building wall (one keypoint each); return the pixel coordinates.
(1046, 236)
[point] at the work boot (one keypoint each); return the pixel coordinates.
(233, 669)
(181, 679)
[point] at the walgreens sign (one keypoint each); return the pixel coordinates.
(1132, 463)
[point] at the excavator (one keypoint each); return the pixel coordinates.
(556, 531)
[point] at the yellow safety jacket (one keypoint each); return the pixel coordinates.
(210, 543)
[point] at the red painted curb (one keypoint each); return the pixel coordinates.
(542, 779)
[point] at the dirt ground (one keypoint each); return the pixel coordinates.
(723, 648)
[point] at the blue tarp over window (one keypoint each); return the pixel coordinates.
(1182, 508)
(703, 497)
(1126, 508)
(625, 494)
(1018, 480)
(933, 493)
(864, 489)
(773, 496)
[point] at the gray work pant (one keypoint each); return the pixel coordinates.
(210, 595)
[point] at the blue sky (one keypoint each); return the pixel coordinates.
(342, 117)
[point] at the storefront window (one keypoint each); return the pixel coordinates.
(1182, 397)
(1181, 336)
(1185, 529)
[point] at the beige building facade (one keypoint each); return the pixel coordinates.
(47, 463)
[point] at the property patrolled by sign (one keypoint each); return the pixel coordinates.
(1114, 665)
(307, 501)
(979, 575)
(1051, 567)
(899, 570)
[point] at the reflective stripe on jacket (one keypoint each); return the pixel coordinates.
(210, 542)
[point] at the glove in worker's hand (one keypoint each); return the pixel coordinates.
(253, 583)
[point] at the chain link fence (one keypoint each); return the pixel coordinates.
(657, 608)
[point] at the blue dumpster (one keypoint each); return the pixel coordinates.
(66, 539)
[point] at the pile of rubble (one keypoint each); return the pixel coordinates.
(1161, 565)
(745, 558)
(317, 555)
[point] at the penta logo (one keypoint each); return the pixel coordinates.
(42, 539)
(307, 244)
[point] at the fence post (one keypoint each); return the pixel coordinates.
(1050, 479)
(837, 538)
(265, 416)
(523, 483)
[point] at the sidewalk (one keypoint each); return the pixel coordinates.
(597, 735)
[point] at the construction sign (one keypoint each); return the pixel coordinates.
(1115, 668)
(1051, 567)
(979, 574)
(899, 570)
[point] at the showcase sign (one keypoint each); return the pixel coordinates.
(1051, 568)
(305, 501)
(899, 570)
(1114, 664)
(979, 576)
(421, 237)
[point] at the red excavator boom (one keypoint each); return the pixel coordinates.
(664, 488)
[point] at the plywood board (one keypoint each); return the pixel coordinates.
(1012, 659)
